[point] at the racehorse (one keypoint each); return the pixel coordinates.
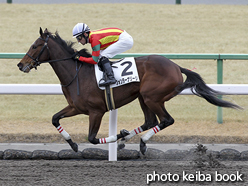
(160, 80)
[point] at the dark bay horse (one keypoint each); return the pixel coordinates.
(160, 80)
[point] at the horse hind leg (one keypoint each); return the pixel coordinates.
(165, 121)
(134, 132)
(150, 121)
(66, 112)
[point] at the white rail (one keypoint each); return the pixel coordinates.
(55, 89)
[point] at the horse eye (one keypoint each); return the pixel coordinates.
(34, 47)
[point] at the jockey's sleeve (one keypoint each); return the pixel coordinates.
(95, 54)
(87, 60)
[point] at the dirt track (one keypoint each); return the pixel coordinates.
(72, 172)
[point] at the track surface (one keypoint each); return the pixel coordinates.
(72, 172)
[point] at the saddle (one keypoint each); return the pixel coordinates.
(125, 71)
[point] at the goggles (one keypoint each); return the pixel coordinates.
(79, 37)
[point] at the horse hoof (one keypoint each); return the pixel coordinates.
(121, 144)
(124, 132)
(143, 147)
(75, 147)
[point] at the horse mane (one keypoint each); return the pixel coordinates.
(67, 45)
(84, 52)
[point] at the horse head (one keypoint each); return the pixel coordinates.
(37, 53)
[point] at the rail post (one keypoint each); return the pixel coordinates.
(178, 2)
(219, 81)
(113, 132)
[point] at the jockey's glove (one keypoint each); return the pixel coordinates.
(76, 56)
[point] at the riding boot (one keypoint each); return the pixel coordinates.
(107, 69)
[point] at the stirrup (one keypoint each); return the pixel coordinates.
(108, 82)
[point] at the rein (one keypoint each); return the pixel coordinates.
(36, 63)
(55, 60)
(76, 76)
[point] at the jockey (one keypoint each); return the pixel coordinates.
(106, 43)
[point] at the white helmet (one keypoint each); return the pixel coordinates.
(79, 29)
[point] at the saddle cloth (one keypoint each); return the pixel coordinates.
(125, 71)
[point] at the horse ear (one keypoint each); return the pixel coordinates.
(46, 31)
(41, 32)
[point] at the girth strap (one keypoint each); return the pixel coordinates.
(109, 98)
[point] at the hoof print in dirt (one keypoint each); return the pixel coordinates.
(229, 154)
(16, 154)
(125, 154)
(45, 154)
(70, 154)
(95, 153)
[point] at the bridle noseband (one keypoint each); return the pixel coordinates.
(36, 60)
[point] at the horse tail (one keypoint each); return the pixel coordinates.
(198, 87)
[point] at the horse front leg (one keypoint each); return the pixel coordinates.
(66, 112)
(95, 122)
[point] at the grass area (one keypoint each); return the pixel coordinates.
(155, 29)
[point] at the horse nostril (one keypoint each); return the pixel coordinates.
(20, 65)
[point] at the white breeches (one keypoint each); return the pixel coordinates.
(124, 43)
